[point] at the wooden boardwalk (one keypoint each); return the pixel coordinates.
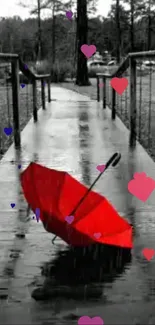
(74, 134)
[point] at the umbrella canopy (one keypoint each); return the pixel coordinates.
(56, 194)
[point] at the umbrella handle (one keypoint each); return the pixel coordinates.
(114, 161)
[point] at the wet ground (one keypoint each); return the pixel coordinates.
(38, 283)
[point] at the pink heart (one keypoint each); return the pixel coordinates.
(119, 84)
(97, 235)
(88, 50)
(86, 320)
(141, 186)
(101, 84)
(148, 253)
(101, 168)
(69, 219)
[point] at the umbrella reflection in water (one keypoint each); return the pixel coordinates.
(80, 273)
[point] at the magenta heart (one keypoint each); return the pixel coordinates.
(97, 235)
(69, 219)
(88, 50)
(101, 168)
(69, 14)
(86, 320)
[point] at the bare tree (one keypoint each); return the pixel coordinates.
(56, 6)
(39, 33)
(82, 31)
(118, 32)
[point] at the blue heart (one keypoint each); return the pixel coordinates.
(8, 131)
(22, 85)
(12, 205)
(37, 213)
(19, 166)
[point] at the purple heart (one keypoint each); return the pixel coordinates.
(86, 320)
(37, 213)
(12, 205)
(69, 219)
(69, 14)
(22, 85)
(25, 66)
(8, 131)
(97, 235)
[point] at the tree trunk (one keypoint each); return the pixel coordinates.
(132, 27)
(53, 34)
(82, 30)
(118, 32)
(149, 27)
(39, 32)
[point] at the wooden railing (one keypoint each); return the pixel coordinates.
(133, 62)
(18, 65)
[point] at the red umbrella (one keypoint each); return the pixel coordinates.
(73, 212)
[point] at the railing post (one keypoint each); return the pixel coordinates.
(104, 92)
(15, 100)
(98, 89)
(49, 90)
(113, 110)
(43, 93)
(35, 113)
(133, 113)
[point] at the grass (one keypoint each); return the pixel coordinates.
(145, 106)
(6, 112)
